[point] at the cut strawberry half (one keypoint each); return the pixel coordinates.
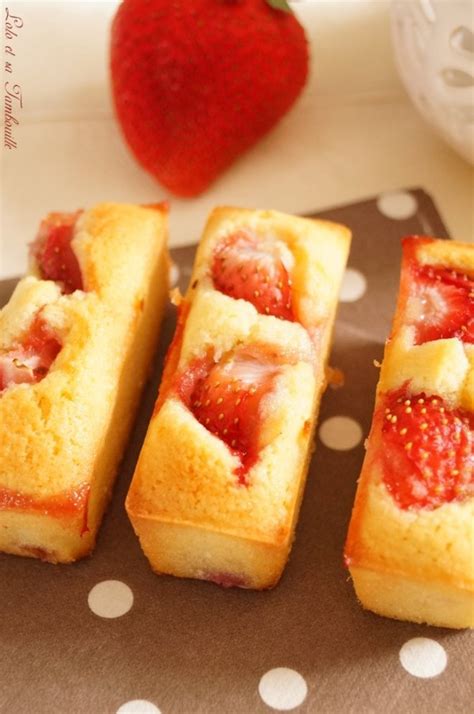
(30, 360)
(441, 304)
(256, 270)
(53, 251)
(226, 398)
(427, 452)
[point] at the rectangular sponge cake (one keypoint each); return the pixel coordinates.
(410, 546)
(220, 477)
(75, 351)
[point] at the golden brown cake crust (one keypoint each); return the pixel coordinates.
(416, 564)
(66, 433)
(191, 513)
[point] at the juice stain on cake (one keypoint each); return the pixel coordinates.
(67, 503)
(427, 455)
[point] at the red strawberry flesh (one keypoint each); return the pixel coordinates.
(441, 304)
(54, 254)
(427, 450)
(226, 398)
(30, 360)
(253, 269)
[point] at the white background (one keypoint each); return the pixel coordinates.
(353, 133)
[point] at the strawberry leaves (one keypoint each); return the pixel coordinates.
(280, 5)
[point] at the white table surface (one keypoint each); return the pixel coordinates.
(353, 133)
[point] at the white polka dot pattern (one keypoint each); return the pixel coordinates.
(138, 706)
(353, 286)
(423, 657)
(340, 433)
(110, 599)
(398, 205)
(283, 688)
(438, 667)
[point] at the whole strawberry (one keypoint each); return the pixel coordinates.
(197, 82)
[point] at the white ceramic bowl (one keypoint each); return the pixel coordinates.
(434, 51)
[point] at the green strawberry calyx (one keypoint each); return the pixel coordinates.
(280, 5)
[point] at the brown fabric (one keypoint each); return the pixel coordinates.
(190, 646)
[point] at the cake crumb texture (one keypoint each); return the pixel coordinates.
(68, 431)
(192, 514)
(417, 563)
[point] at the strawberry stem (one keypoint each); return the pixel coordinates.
(280, 5)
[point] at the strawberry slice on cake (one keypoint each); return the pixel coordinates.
(256, 269)
(29, 361)
(53, 253)
(440, 299)
(226, 398)
(428, 450)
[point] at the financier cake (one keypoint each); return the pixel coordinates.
(220, 477)
(76, 340)
(410, 547)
